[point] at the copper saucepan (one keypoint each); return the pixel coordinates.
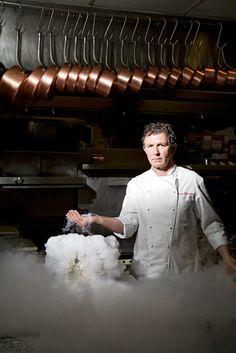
(231, 79)
(46, 86)
(151, 76)
(162, 77)
(210, 76)
(62, 77)
(83, 78)
(221, 77)
(72, 78)
(12, 84)
(186, 76)
(137, 79)
(174, 76)
(105, 82)
(122, 80)
(2, 69)
(197, 79)
(93, 77)
(32, 82)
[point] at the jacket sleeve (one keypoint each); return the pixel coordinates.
(129, 215)
(211, 223)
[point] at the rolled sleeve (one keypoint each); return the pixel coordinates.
(129, 213)
(130, 227)
(216, 235)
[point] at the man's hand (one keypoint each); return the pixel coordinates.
(229, 260)
(76, 217)
(111, 223)
(230, 263)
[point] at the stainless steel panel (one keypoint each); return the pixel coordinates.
(42, 182)
(20, 164)
(59, 165)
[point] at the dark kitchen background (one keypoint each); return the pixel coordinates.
(70, 141)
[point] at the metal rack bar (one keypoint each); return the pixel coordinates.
(131, 15)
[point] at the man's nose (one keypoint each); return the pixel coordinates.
(156, 150)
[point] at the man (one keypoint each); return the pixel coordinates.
(167, 208)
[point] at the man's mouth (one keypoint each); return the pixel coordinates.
(157, 159)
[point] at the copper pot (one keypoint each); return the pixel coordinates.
(32, 82)
(221, 77)
(151, 76)
(62, 76)
(186, 76)
(105, 82)
(72, 78)
(2, 69)
(93, 77)
(174, 77)
(137, 79)
(197, 79)
(162, 77)
(210, 76)
(46, 86)
(12, 84)
(231, 79)
(82, 79)
(122, 80)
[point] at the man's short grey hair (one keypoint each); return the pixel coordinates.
(159, 128)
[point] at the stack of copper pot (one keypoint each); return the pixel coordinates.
(19, 85)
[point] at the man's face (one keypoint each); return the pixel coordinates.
(159, 152)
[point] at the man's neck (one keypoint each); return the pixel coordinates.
(163, 172)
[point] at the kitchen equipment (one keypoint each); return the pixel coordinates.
(175, 71)
(2, 69)
(65, 69)
(93, 77)
(62, 76)
(122, 79)
(105, 82)
(32, 81)
(46, 86)
(231, 79)
(12, 84)
(137, 79)
(96, 69)
(188, 70)
(72, 78)
(164, 71)
(152, 70)
(83, 77)
(124, 73)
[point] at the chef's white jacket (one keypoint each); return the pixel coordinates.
(167, 214)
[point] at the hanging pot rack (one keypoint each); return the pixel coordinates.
(92, 41)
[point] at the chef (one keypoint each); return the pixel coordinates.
(167, 208)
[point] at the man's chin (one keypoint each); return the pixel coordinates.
(158, 166)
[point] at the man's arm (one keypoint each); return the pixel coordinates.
(111, 223)
(229, 260)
